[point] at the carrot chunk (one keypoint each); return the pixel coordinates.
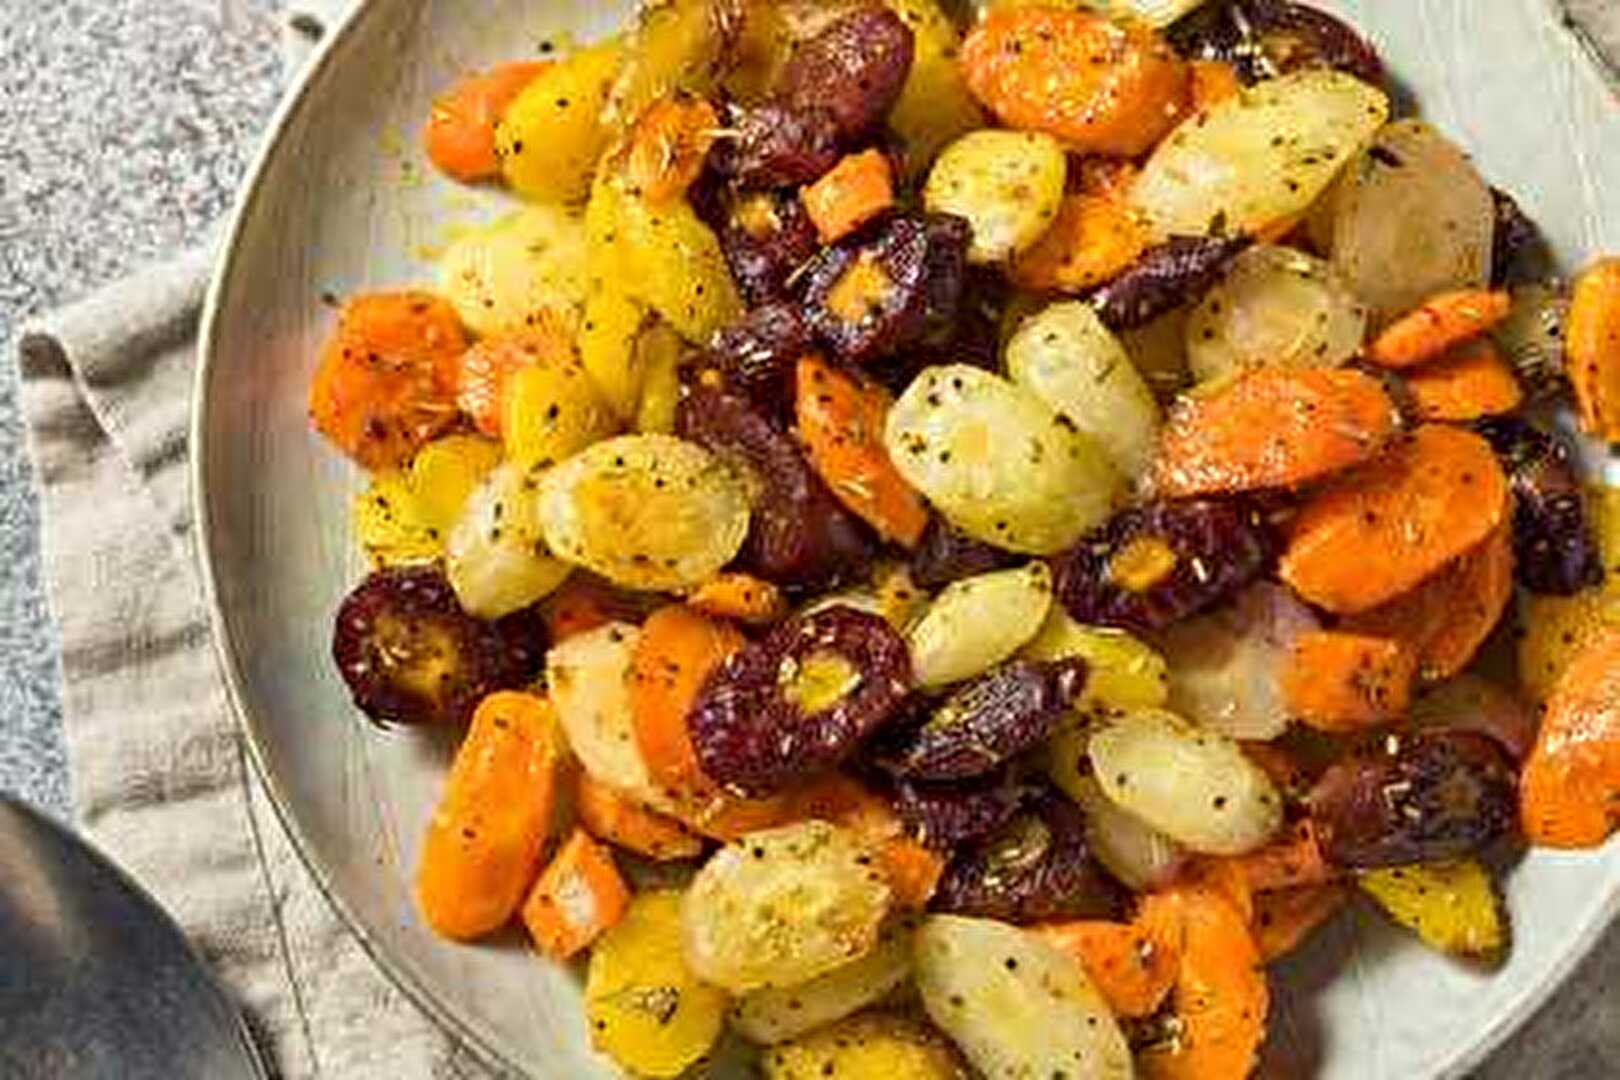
(578, 898)
(610, 815)
(913, 871)
(1272, 428)
(1285, 918)
(1339, 681)
(1569, 791)
(584, 603)
(1592, 349)
(851, 193)
(1384, 528)
(744, 597)
(1093, 239)
(668, 145)
(1133, 971)
(460, 133)
(1467, 383)
(1290, 862)
(1213, 81)
(674, 654)
(483, 371)
(1439, 325)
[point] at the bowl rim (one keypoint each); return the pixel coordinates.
(296, 99)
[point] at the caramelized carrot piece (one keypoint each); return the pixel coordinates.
(1467, 383)
(841, 422)
(1285, 918)
(1273, 428)
(1093, 239)
(1447, 618)
(583, 603)
(618, 819)
(1439, 325)
(744, 597)
(1592, 349)
(386, 384)
(913, 870)
(483, 371)
(668, 145)
(851, 193)
(674, 654)
(1099, 86)
(1220, 995)
(1381, 530)
(1223, 877)
(1569, 790)
(1340, 681)
(1213, 81)
(460, 132)
(488, 832)
(578, 898)
(1293, 861)
(1132, 971)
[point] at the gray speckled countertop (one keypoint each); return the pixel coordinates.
(124, 128)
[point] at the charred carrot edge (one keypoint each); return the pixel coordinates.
(578, 898)
(1340, 681)
(668, 146)
(460, 133)
(623, 822)
(488, 833)
(1093, 239)
(675, 652)
(1133, 971)
(1213, 81)
(1439, 325)
(841, 422)
(1592, 349)
(1291, 862)
(1284, 918)
(1569, 789)
(1471, 381)
(744, 597)
(851, 193)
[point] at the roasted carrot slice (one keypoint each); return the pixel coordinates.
(1569, 790)
(1592, 349)
(851, 193)
(1293, 861)
(578, 898)
(1220, 995)
(1439, 325)
(675, 652)
(1285, 918)
(1133, 971)
(1384, 528)
(744, 597)
(460, 132)
(1273, 428)
(1093, 239)
(668, 145)
(841, 422)
(1467, 383)
(488, 833)
(386, 384)
(1099, 86)
(1221, 876)
(1341, 681)
(483, 371)
(1447, 618)
(620, 820)
(1213, 81)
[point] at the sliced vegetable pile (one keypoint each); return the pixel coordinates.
(1020, 523)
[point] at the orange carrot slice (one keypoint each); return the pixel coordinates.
(610, 815)
(1381, 530)
(841, 422)
(1569, 790)
(460, 132)
(1467, 383)
(851, 193)
(1439, 325)
(1285, 918)
(483, 371)
(1093, 239)
(488, 833)
(1273, 428)
(744, 597)
(668, 145)
(386, 384)
(578, 898)
(674, 654)
(1339, 681)
(1592, 349)
(1133, 971)
(1293, 861)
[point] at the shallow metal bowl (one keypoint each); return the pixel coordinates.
(340, 201)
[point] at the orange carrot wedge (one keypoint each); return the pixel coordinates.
(851, 193)
(1381, 530)
(1438, 325)
(668, 145)
(484, 844)
(578, 898)
(841, 422)
(1273, 428)
(735, 595)
(1290, 862)
(1133, 971)
(677, 649)
(1220, 995)
(1285, 918)
(1341, 682)
(1569, 791)
(460, 132)
(1467, 383)
(1592, 349)
(612, 816)
(1094, 238)
(1448, 617)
